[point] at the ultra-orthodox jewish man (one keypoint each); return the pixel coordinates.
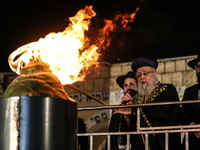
(151, 90)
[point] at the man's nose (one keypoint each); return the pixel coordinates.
(129, 86)
(142, 76)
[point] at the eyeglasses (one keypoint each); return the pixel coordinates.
(197, 66)
(138, 75)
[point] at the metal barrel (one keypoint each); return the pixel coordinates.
(38, 123)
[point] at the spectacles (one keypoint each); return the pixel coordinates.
(197, 66)
(138, 75)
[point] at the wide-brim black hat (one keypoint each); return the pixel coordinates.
(193, 62)
(120, 79)
(143, 61)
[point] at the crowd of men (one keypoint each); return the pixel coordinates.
(142, 86)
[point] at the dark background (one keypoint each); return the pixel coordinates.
(162, 28)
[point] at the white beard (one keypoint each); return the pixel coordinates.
(146, 89)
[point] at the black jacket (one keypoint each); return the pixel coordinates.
(166, 115)
(82, 140)
(115, 121)
(191, 113)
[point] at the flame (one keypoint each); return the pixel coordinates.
(63, 51)
(111, 26)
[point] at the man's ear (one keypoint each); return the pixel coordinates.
(156, 74)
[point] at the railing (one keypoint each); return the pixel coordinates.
(144, 130)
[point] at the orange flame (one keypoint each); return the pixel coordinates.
(105, 36)
(61, 51)
(65, 52)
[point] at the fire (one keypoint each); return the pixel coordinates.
(111, 26)
(63, 51)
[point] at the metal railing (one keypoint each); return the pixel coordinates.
(144, 130)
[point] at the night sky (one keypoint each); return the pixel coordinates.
(162, 28)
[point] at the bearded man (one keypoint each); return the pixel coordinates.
(191, 112)
(122, 119)
(151, 90)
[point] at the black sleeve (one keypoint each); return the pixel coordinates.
(191, 112)
(82, 140)
(167, 114)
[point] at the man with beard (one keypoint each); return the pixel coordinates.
(122, 118)
(151, 90)
(191, 112)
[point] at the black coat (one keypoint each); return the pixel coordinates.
(167, 115)
(82, 140)
(114, 127)
(191, 113)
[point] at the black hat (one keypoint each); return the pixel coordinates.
(143, 61)
(193, 62)
(120, 79)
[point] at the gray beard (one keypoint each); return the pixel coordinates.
(143, 91)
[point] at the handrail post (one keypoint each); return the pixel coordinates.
(166, 141)
(108, 142)
(128, 142)
(91, 142)
(146, 141)
(186, 141)
(138, 119)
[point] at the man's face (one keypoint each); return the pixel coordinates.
(147, 77)
(198, 71)
(129, 83)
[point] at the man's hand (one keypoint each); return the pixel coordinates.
(127, 98)
(123, 111)
(197, 134)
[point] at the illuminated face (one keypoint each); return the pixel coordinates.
(147, 76)
(129, 83)
(197, 67)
